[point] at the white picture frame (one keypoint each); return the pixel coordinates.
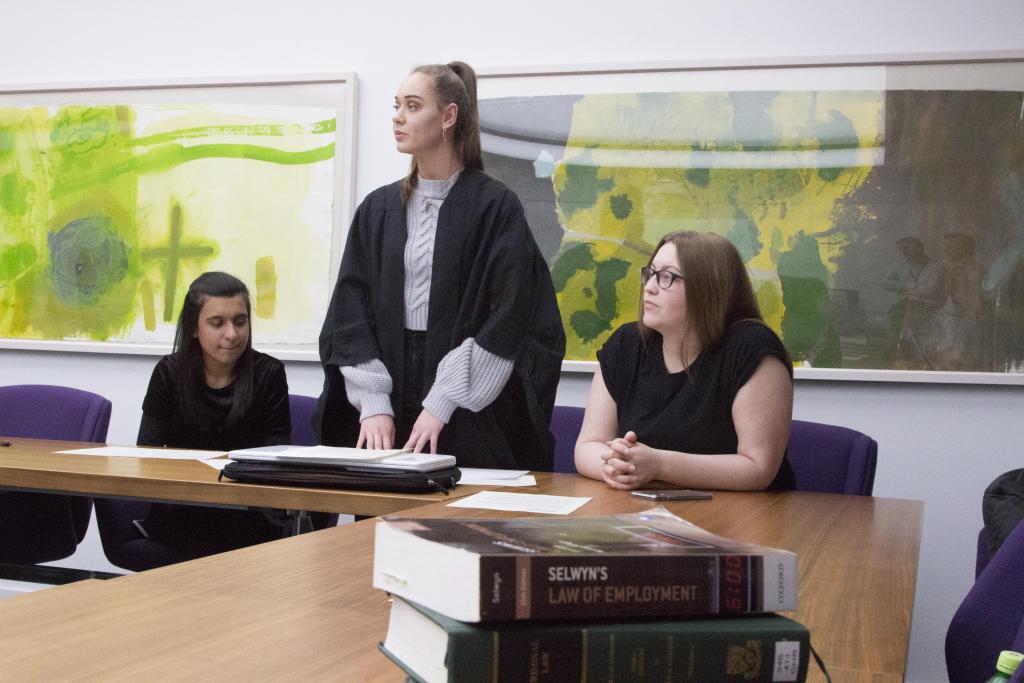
(524, 134)
(328, 208)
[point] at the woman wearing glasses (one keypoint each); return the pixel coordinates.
(443, 333)
(698, 392)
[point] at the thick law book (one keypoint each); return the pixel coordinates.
(650, 564)
(435, 649)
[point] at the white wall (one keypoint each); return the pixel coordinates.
(938, 443)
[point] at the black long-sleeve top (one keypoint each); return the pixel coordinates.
(266, 423)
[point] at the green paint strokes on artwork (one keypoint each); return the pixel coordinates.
(575, 257)
(588, 291)
(172, 254)
(609, 272)
(258, 129)
(621, 206)
(588, 325)
(6, 141)
(725, 181)
(84, 252)
(78, 130)
(804, 281)
(698, 176)
(582, 188)
(14, 194)
(77, 279)
(16, 260)
(169, 156)
(744, 234)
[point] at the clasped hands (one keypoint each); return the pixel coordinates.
(378, 431)
(628, 464)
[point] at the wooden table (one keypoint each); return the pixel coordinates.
(303, 608)
(35, 465)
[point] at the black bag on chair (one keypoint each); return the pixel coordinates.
(339, 477)
(1002, 507)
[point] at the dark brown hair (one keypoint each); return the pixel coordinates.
(454, 83)
(717, 286)
(189, 354)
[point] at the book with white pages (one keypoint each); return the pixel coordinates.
(363, 458)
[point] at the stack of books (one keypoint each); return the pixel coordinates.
(636, 597)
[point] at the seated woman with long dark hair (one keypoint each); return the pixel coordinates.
(697, 393)
(214, 392)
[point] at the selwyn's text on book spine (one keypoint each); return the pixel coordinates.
(556, 587)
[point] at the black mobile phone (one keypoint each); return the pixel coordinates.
(672, 494)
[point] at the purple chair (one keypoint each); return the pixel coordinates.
(981, 558)
(830, 459)
(302, 408)
(125, 547)
(991, 617)
(42, 527)
(303, 434)
(565, 426)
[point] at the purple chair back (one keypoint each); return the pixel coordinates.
(39, 411)
(991, 617)
(981, 557)
(565, 426)
(830, 459)
(303, 434)
(42, 527)
(302, 408)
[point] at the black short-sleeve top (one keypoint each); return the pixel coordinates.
(688, 411)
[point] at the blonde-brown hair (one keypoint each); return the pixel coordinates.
(717, 286)
(454, 83)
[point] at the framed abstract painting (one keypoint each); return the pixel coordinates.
(878, 204)
(114, 197)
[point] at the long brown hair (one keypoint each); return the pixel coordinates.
(717, 286)
(189, 353)
(454, 83)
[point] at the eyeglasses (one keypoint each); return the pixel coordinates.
(665, 277)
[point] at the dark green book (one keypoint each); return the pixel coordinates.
(433, 648)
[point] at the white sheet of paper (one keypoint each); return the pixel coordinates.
(327, 453)
(133, 452)
(217, 464)
(492, 474)
(525, 480)
(520, 502)
(484, 477)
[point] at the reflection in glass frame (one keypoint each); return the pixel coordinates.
(115, 196)
(878, 204)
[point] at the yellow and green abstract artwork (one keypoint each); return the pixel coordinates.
(876, 235)
(108, 212)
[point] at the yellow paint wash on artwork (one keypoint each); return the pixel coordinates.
(754, 167)
(264, 215)
(266, 287)
(260, 216)
(148, 309)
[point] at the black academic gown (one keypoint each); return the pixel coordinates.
(489, 282)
